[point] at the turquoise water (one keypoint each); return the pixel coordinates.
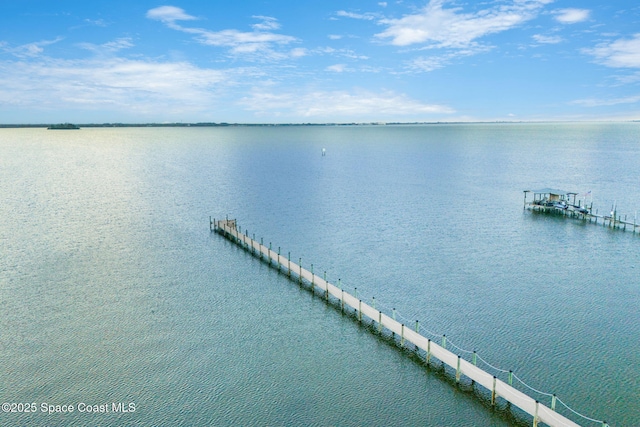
(113, 290)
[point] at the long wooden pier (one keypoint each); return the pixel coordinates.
(498, 388)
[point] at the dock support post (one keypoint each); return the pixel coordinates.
(313, 277)
(289, 263)
(493, 392)
(360, 311)
(210, 224)
(417, 327)
(402, 335)
(474, 358)
(393, 313)
(379, 321)
(278, 258)
(269, 253)
(458, 371)
(428, 357)
(373, 302)
(535, 416)
(444, 341)
(553, 402)
(342, 301)
(326, 286)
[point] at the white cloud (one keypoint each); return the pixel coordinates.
(268, 23)
(169, 14)
(571, 16)
(352, 15)
(341, 105)
(622, 53)
(258, 44)
(539, 38)
(593, 102)
(298, 52)
(109, 47)
(432, 63)
(337, 68)
(128, 87)
(29, 50)
(451, 28)
(334, 37)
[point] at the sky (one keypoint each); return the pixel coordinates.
(318, 61)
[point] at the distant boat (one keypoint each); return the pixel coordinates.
(64, 126)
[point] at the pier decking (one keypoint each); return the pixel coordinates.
(498, 388)
(565, 203)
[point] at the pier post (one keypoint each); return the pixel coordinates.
(428, 357)
(326, 286)
(210, 224)
(510, 377)
(360, 311)
(417, 327)
(535, 416)
(289, 263)
(458, 371)
(393, 313)
(553, 402)
(313, 277)
(444, 341)
(474, 358)
(278, 258)
(269, 253)
(300, 272)
(379, 321)
(493, 392)
(402, 335)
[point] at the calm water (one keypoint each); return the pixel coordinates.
(113, 290)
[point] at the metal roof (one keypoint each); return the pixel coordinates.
(551, 191)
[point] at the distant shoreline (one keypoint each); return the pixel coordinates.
(223, 124)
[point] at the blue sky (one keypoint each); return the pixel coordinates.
(318, 61)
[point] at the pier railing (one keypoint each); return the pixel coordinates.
(498, 388)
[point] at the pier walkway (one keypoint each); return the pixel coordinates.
(498, 388)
